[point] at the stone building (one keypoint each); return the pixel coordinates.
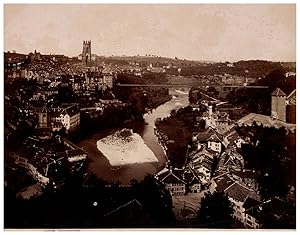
(278, 105)
(86, 55)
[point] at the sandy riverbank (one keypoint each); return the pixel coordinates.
(125, 147)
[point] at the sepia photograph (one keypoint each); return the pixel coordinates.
(149, 116)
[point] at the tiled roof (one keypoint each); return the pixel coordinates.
(207, 163)
(45, 154)
(230, 132)
(213, 152)
(235, 157)
(240, 193)
(278, 92)
(223, 182)
(190, 176)
(250, 203)
(237, 192)
(230, 158)
(43, 109)
(224, 105)
(207, 98)
(246, 174)
(215, 138)
(164, 170)
(171, 176)
(55, 112)
(162, 174)
(65, 109)
(211, 130)
(194, 180)
(234, 136)
(200, 152)
(204, 136)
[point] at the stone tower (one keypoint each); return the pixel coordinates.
(86, 51)
(278, 105)
(43, 117)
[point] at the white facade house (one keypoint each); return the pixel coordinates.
(250, 221)
(215, 145)
(67, 116)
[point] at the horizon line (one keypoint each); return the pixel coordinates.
(158, 56)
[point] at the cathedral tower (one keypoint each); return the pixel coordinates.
(86, 51)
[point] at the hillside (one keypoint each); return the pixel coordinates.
(259, 100)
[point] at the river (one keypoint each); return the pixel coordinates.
(99, 165)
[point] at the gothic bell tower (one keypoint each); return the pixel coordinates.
(86, 51)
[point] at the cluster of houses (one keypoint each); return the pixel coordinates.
(85, 83)
(49, 160)
(200, 162)
(213, 163)
(65, 116)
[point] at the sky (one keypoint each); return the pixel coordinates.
(209, 32)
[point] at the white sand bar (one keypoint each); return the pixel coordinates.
(125, 147)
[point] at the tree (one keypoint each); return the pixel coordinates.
(215, 211)
(271, 156)
(202, 124)
(213, 91)
(65, 93)
(156, 200)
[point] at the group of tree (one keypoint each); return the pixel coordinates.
(179, 126)
(111, 116)
(271, 153)
(85, 206)
(215, 211)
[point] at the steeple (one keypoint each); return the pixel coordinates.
(278, 92)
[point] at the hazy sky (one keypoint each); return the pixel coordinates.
(199, 32)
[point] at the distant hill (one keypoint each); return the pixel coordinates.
(246, 68)
(154, 60)
(249, 68)
(278, 79)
